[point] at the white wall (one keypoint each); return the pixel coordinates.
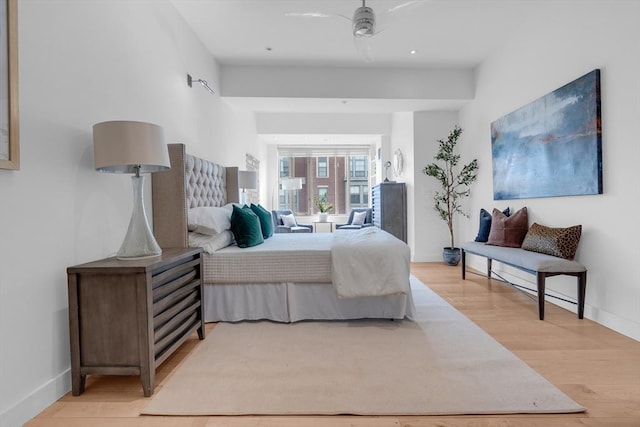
(311, 124)
(82, 63)
(561, 44)
(351, 83)
(402, 139)
(431, 233)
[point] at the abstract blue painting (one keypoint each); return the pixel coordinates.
(552, 146)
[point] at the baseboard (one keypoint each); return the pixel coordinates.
(606, 319)
(613, 322)
(37, 401)
(427, 257)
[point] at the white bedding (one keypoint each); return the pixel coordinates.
(289, 278)
(369, 262)
(359, 263)
(293, 302)
(283, 257)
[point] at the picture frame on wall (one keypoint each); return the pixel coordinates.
(9, 123)
(552, 146)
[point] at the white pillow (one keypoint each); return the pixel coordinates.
(210, 244)
(358, 218)
(209, 220)
(289, 220)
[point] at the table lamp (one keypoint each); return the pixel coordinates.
(137, 148)
(293, 184)
(247, 180)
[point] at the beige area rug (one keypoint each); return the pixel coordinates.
(441, 363)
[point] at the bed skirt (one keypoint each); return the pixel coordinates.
(292, 302)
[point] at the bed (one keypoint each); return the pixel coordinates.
(288, 278)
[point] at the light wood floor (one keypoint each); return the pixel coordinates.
(598, 368)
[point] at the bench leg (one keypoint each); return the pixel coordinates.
(582, 287)
(541, 291)
(463, 262)
(489, 267)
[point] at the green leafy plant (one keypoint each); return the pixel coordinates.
(322, 203)
(455, 184)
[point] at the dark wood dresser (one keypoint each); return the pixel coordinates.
(127, 317)
(389, 208)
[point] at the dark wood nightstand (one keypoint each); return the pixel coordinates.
(127, 317)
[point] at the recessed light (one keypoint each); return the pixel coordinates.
(412, 52)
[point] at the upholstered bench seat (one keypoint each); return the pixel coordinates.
(541, 265)
(527, 260)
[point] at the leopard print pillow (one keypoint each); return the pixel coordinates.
(560, 242)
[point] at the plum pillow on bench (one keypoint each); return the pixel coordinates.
(560, 242)
(485, 224)
(508, 231)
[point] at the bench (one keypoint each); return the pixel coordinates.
(540, 265)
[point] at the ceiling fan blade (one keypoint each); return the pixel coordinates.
(405, 5)
(308, 14)
(316, 15)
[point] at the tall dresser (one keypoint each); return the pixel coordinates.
(389, 203)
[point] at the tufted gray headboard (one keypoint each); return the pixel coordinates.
(191, 182)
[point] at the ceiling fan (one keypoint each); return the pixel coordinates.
(363, 23)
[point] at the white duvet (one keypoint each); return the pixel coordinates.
(369, 262)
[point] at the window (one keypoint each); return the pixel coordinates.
(323, 167)
(340, 172)
(358, 166)
(285, 170)
(355, 194)
(359, 196)
(323, 191)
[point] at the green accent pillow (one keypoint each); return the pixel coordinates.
(266, 222)
(245, 227)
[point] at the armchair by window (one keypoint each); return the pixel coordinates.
(349, 225)
(279, 226)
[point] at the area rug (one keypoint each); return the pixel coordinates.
(440, 363)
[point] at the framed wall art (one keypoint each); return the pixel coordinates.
(552, 146)
(9, 124)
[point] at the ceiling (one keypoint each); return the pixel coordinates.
(443, 33)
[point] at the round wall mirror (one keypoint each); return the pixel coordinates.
(398, 162)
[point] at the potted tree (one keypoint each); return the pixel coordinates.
(323, 206)
(454, 183)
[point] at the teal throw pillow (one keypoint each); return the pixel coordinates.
(245, 226)
(266, 222)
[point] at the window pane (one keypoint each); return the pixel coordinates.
(358, 166)
(354, 191)
(323, 168)
(284, 167)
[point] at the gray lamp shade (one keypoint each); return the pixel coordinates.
(248, 180)
(292, 184)
(121, 146)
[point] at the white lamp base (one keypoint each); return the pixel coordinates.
(139, 241)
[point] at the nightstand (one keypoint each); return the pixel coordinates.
(323, 226)
(127, 317)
